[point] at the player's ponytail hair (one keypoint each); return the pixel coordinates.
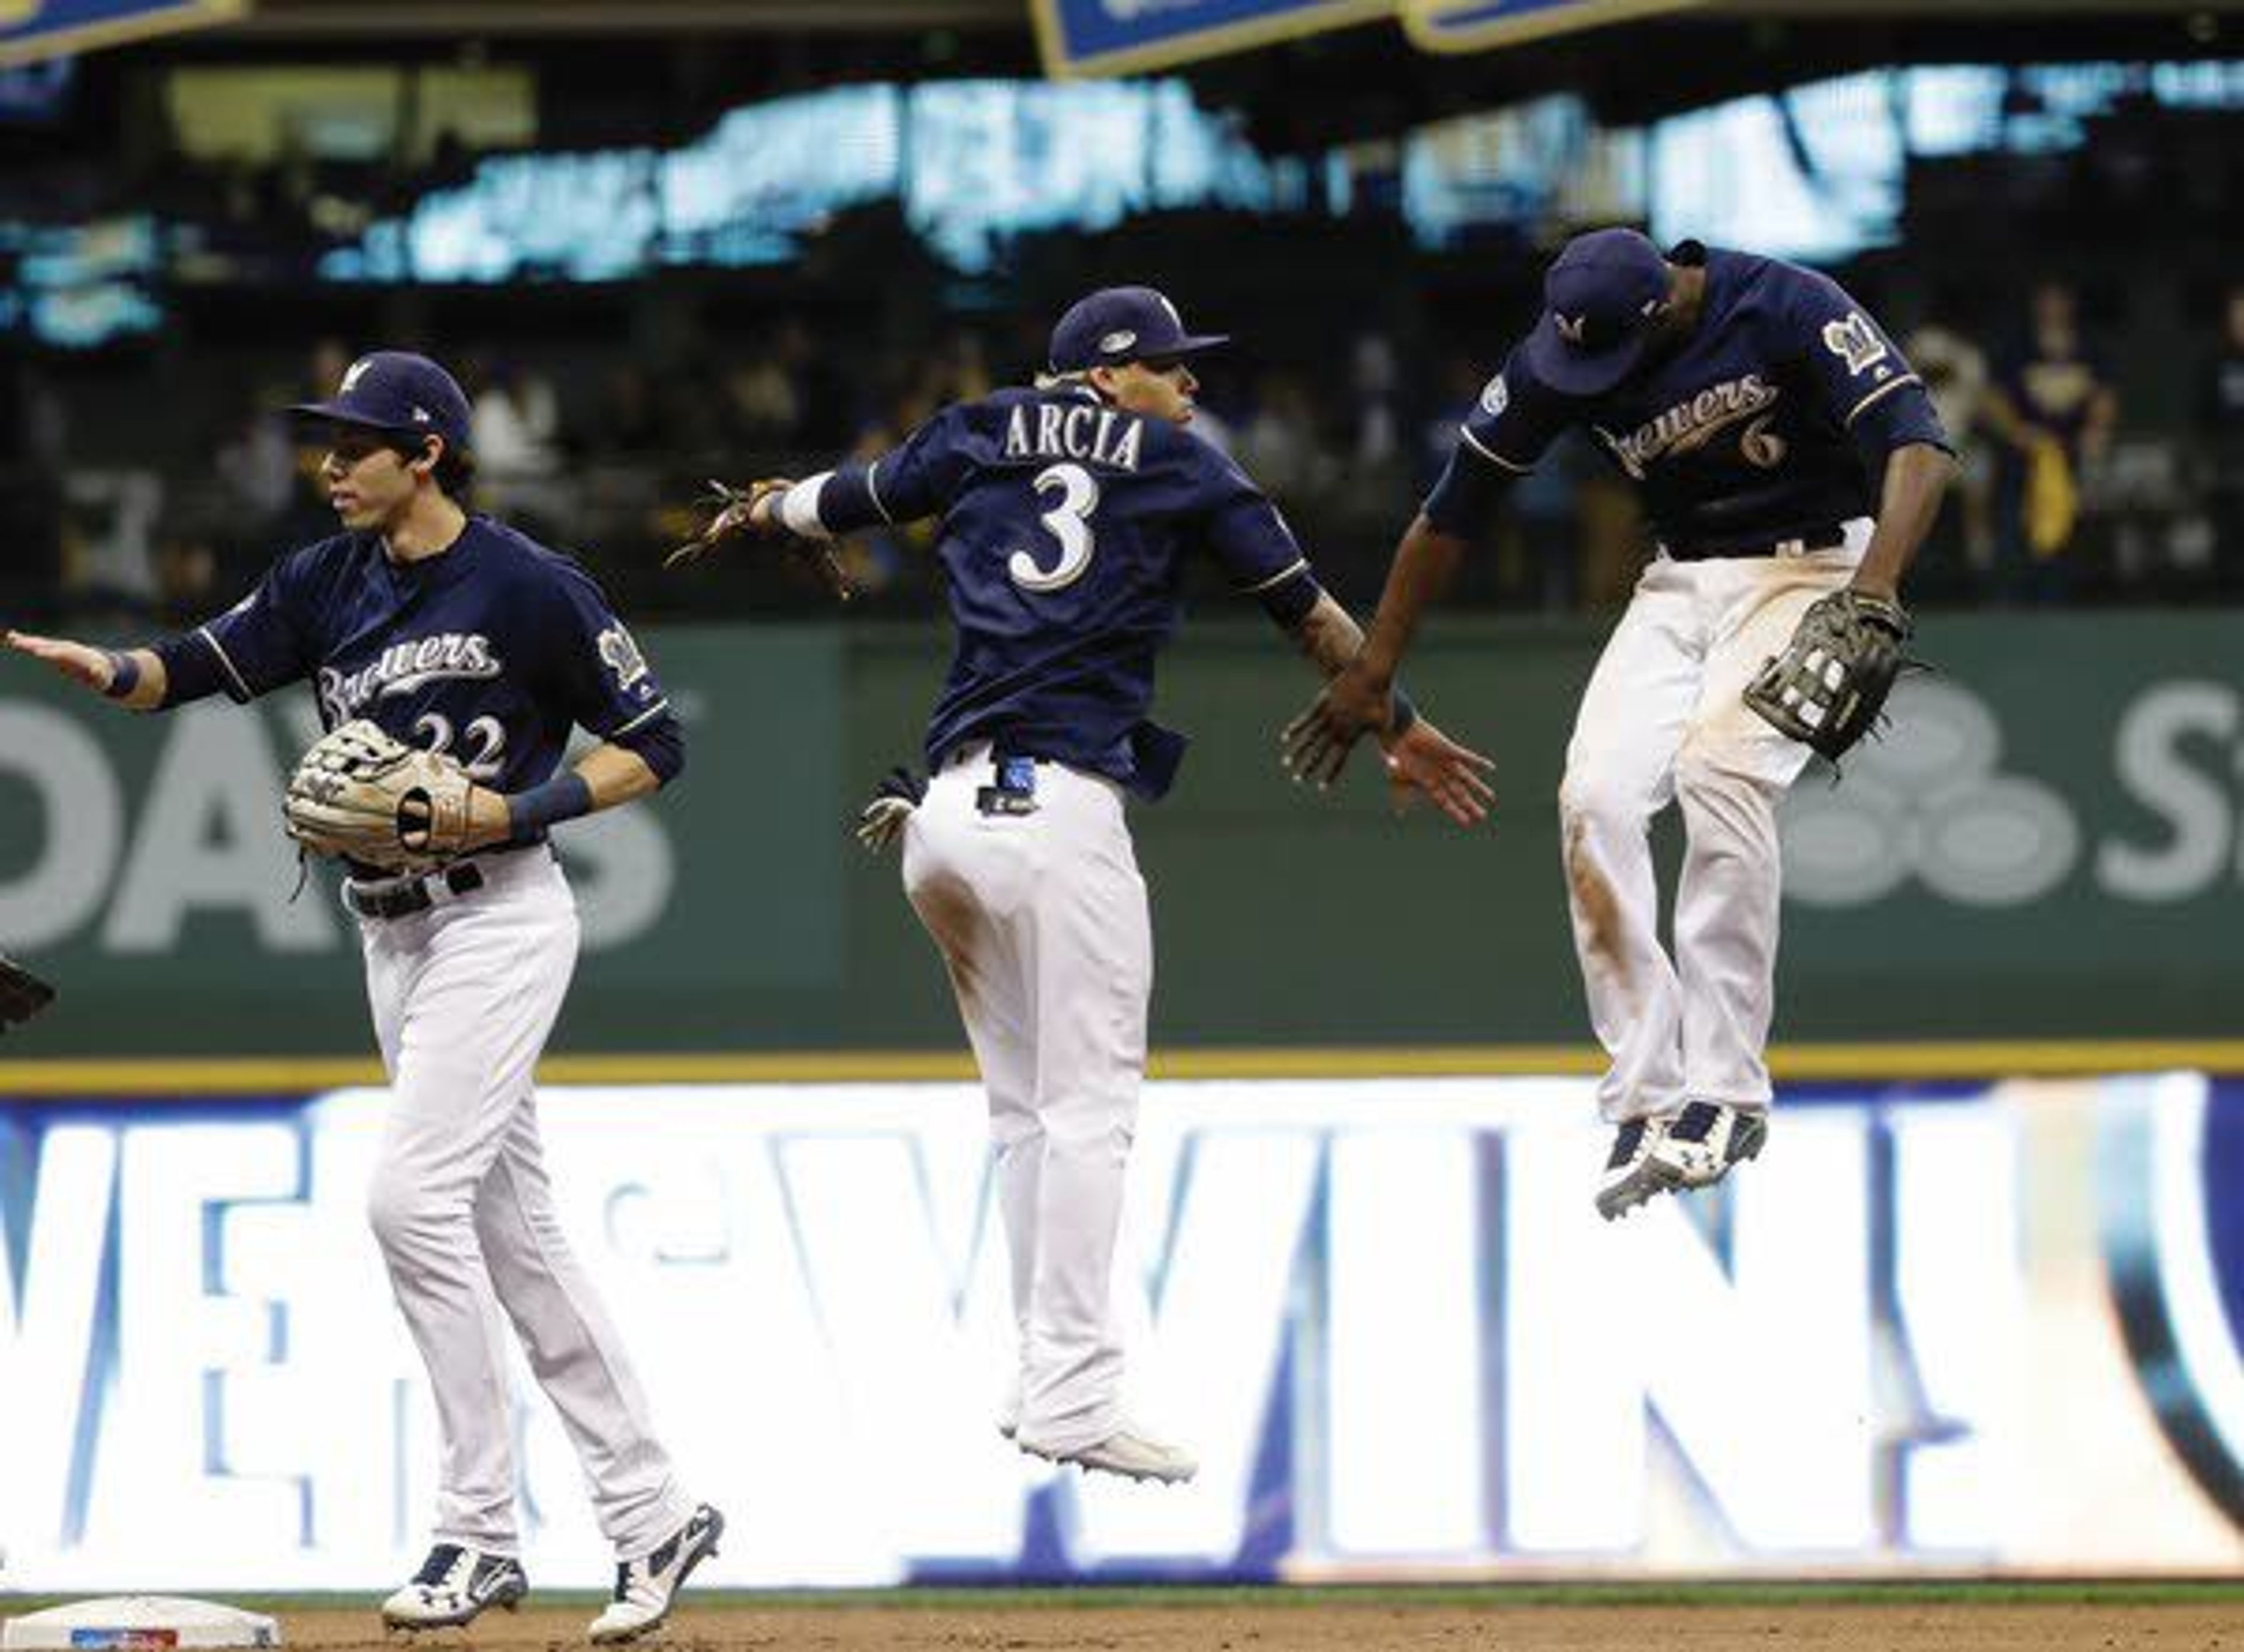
(1079, 379)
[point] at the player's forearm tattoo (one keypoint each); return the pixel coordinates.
(1330, 636)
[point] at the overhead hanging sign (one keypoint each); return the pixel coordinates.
(1482, 25)
(1124, 37)
(33, 29)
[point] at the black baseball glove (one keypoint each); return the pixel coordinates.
(1828, 687)
(23, 994)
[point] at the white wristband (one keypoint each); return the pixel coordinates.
(798, 507)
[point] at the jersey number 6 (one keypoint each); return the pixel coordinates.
(1068, 522)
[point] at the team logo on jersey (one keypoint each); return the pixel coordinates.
(404, 667)
(1496, 397)
(1855, 342)
(1690, 425)
(619, 653)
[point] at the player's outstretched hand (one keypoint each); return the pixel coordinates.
(1422, 761)
(88, 667)
(1316, 744)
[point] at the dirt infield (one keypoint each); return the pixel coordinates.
(1170, 1621)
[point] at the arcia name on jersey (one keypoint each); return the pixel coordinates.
(1083, 431)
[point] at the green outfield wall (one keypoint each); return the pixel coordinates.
(2049, 847)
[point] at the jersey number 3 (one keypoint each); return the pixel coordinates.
(1068, 522)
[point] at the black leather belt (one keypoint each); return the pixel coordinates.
(1830, 536)
(1823, 536)
(403, 900)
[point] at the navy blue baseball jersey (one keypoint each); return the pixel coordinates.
(1066, 525)
(1758, 428)
(490, 651)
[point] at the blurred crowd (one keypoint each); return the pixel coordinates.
(2068, 496)
(2064, 498)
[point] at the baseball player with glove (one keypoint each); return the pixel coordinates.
(1791, 464)
(451, 657)
(1068, 512)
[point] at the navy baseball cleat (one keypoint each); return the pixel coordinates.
(645, 1588)
(1628, 1180)
(1699, 1144)
(453, 1586)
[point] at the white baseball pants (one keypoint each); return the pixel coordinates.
(1042, 922)
(1663, 721)
(464, 996)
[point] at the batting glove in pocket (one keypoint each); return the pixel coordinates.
(881, 820)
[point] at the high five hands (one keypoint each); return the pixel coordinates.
(1422, 761)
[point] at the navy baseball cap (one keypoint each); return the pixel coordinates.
(1118, 324)
(1600, 299)
(396, 391)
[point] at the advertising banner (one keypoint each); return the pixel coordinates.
(2045, 846)
(1966, 1328)
(1128, 36)
(143, 870)
(1486, 26)
(32, 30)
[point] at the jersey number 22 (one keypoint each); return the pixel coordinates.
(486, 737)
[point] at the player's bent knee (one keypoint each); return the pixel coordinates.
(1591, 803)
(1088, 1129)
(1705, 774)
(1011, 1126)
(389, 1214)
(401, 1215)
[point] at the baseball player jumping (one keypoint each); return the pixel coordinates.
(456, 633)
(1791, 464)
(1069, 511)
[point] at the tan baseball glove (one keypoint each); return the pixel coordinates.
(737, 517)
(359, 795)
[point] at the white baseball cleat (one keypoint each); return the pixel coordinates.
(1699, 1144)
(1628, 1179)
(1129, 1451)
(646, 1586)
(453, 1585)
